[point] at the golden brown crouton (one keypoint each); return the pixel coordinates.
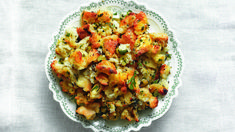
(128, 38)
(92, 56)
(78, 60)
(141, 23)
(84, 31)
(95, 40)
(161, 38)
(81, 98)
(104, 16)
(88, 17)
(84, 83)
(110, 44)
(89, 111)
(147, 97)
(67, 87)
(142, 44)
(61, 70)
(164, 71)
(106, 67)
(102, 78)
(128, 21)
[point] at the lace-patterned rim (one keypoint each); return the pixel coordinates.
(144, 122)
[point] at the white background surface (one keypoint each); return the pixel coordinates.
(205, 102)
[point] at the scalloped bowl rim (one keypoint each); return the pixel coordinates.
(177, 48)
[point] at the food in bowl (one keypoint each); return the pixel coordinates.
(112, 65)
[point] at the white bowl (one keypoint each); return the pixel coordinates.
(157, 24)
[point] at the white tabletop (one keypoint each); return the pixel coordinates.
(205, 102)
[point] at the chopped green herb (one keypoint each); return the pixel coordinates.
(67, 34)
(142, 28)
(156, 81)
(122, 52)
(168, 56)
(153, 76)
(80, 46)
(145, 62)
(100, 15)
(140, 64)
(115, 13)
(61, 61)
(132, 81)
(128, 12)
(95, 87)
(112, 25)
(82, 104)
(101, 57)
(160, 60)
(141, 40)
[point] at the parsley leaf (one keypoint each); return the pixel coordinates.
(140, 64)
(142, 28)
(67, 34)
(168, 56)
(132, 81)
(95, 87)
(100, 15)
(128, 12)
(156, 81)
